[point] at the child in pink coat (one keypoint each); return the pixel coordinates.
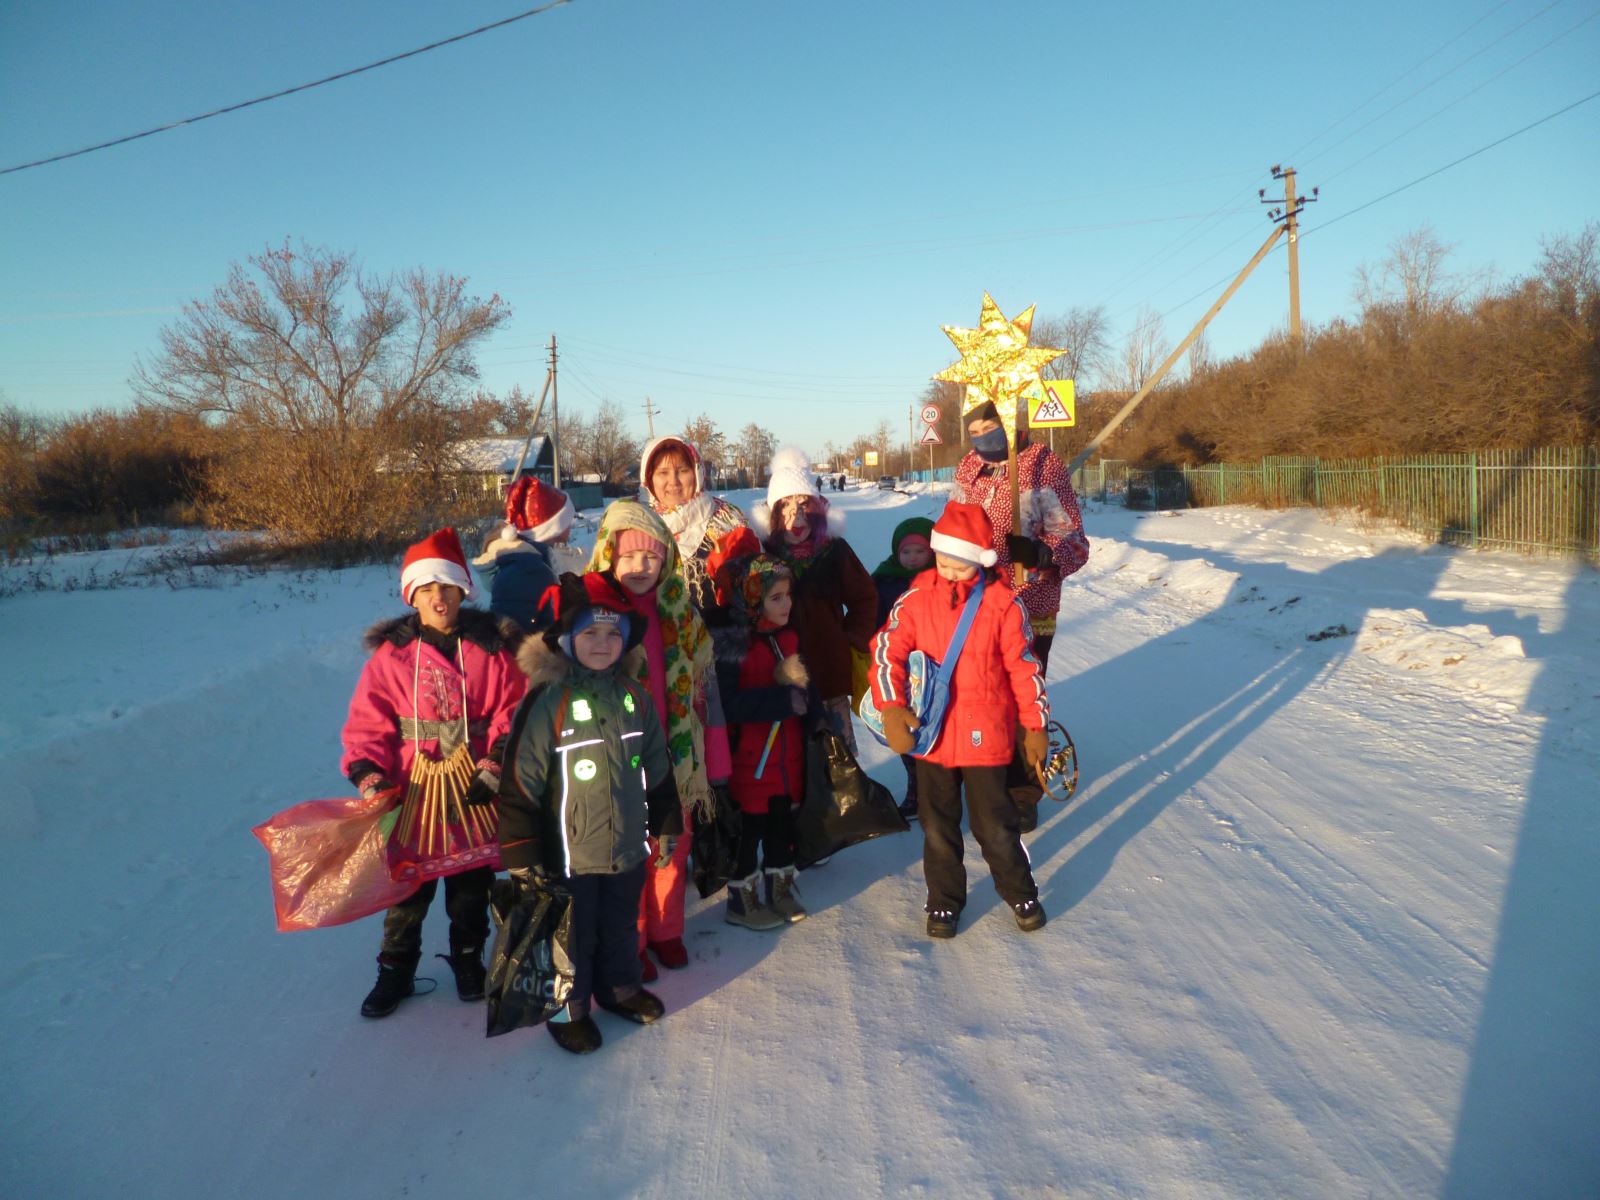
(439, 678)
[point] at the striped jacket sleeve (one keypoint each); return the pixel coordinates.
(890, 649)
(1022, 667)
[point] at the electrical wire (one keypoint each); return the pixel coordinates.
(304, 87)
(1454, 163)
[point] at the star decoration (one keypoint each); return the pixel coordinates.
(996, 361)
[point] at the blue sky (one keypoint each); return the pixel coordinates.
(765, 211)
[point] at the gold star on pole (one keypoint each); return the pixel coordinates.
(997, 364)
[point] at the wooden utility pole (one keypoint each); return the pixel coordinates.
(555, 410)
(1137, 398)
(650, 417)
(1288, 214)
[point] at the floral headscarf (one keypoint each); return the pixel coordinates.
(760, 575)
(685, 644)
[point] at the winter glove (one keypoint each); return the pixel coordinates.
(1035, 556)
(376, 784)
(665, 845)
(899, 728)
(1035, 748)
(485, 785)
(792, 671)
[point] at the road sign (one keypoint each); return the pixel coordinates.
(930, 414)
(930, 437)
(855, 462)
(1055, 406)
(872, 458)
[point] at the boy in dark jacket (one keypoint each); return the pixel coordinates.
(996, 685)
(909, 556)
(586, 781)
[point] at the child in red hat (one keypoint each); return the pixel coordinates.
(441, 681)
(996, 685)
(516, 563)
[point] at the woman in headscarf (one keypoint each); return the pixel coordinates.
(676, 663)
(673, 483)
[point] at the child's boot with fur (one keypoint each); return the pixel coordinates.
(745, 906)
(783, 896)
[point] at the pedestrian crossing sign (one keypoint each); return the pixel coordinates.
(1053, 404)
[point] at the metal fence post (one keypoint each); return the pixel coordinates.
(1316, 482)
(1472, 495)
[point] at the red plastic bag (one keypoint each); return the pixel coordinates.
(329, 862)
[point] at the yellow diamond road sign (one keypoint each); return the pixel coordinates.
(1056, 405)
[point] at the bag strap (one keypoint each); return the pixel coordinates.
(947, 668)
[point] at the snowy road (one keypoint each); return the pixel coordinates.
(1324, 916)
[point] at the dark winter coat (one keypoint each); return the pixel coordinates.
(389, 720)
(835, 609)
(997, 682)
(586, 775)
(517, 580)
(752, 701)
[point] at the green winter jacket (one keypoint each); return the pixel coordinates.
(587, 776)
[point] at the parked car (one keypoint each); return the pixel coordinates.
(886, 483)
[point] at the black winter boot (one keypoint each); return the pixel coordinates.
(942, 922)
(467, 963)
(635, 1004)
(1029, 914)
(396, 980)
(578, 1034)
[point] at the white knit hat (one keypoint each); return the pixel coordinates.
(791, 476)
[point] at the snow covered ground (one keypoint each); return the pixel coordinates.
(1325, 914)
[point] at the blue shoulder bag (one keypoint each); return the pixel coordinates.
(928, 683)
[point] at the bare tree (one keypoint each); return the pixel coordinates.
(1142, 351)
(1083, 332)
(612, 450)
(754, 450)
(1414, 281)
(336, 386)
(1569, 269)
(702, 433)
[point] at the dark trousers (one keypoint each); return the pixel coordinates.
(771, 833)
(466, 900)
(605, 935)
(995, 824)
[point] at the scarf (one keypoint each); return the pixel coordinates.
(890, 567)
(685, 658)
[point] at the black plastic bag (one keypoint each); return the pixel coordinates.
(714, 849)
(843, 804)
(530, 971)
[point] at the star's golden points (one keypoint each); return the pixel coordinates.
(997, 364)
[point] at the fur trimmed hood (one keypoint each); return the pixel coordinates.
(488, 632)
(545, 664)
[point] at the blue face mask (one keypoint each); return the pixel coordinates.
(991, 446)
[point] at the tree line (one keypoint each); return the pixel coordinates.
(1433, 359)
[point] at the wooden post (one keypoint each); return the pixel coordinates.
(1161, 372)
(1018, 571)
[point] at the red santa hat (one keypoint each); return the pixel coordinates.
(540, 512)
(964, 531)
(437, 558)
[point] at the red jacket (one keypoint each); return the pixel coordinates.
(758, 696)
(997, 682)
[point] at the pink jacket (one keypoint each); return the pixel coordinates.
(389, 718)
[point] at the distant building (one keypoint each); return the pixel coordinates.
(492, 460)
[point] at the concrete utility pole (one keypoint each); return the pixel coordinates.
(555, 411)
(650, 416)
(1289, 214)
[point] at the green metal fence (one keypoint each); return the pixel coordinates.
(1545, 500)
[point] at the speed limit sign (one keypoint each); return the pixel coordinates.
(930, 414)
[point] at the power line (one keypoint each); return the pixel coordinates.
(217, 112)
(1455, 163)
